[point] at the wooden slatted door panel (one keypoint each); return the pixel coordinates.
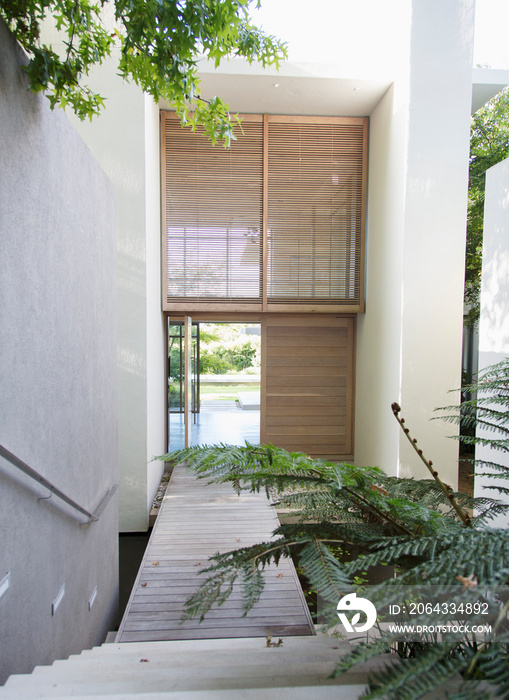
(308, 385)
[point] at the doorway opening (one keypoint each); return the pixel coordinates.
(217, 368)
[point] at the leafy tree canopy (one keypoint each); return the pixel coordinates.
(158, 44)
(489, 144)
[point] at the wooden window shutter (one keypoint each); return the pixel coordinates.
(274, 223)
(212, 214)
(315, 210)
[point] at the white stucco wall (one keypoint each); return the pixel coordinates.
(58, 402)
(156, 345)
(411, 335)
(494, 320)
(435, 224)
(125, 141)
(379, 329)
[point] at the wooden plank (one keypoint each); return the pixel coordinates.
(319, 384)
(327, 404)
(338, 368)
(285, 119)
(298, 333)
(219, 614)
(204, 633)
(196, 520)
(307, 421)
(282, 350)
(313, 363)
(308, 321)
(339, 450)
(298, 430)
(150, 607)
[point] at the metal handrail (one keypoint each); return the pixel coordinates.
(33, 474)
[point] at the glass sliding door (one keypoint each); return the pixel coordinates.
(183, 381)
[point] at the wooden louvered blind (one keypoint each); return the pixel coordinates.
(315, 203)
(275, 222)
(213, 215)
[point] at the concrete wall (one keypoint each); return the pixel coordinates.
(58, 404)
(409, 343)
(494, 321)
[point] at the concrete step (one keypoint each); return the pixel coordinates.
(195, 669)
(147, 679)
(351, 692)
(151, 689)
(225, 646)
(215, 653)
(185, 663)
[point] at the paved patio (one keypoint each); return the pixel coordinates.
(218, 421)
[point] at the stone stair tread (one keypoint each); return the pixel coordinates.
(210, 645)
(349, 692)
(187, 661)
(152, 683)
(249, 674)
(131, 680)
(195, 669)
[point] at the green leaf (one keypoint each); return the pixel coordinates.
(158, 41)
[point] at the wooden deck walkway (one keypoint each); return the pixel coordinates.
(196, 520)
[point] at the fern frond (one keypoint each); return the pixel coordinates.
(484, 553)
(361, 653)
(246, 565)
(502, 470)
(253, 584)
(410, 681)
(421, 528)
(494, 668)
(324, 571)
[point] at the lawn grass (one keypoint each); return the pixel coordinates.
(225, 392)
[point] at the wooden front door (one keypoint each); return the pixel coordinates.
(307, 393)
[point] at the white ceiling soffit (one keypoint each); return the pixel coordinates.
(297, 88)
(486, 83)
(314, 89)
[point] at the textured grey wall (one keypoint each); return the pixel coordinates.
(58, 405)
